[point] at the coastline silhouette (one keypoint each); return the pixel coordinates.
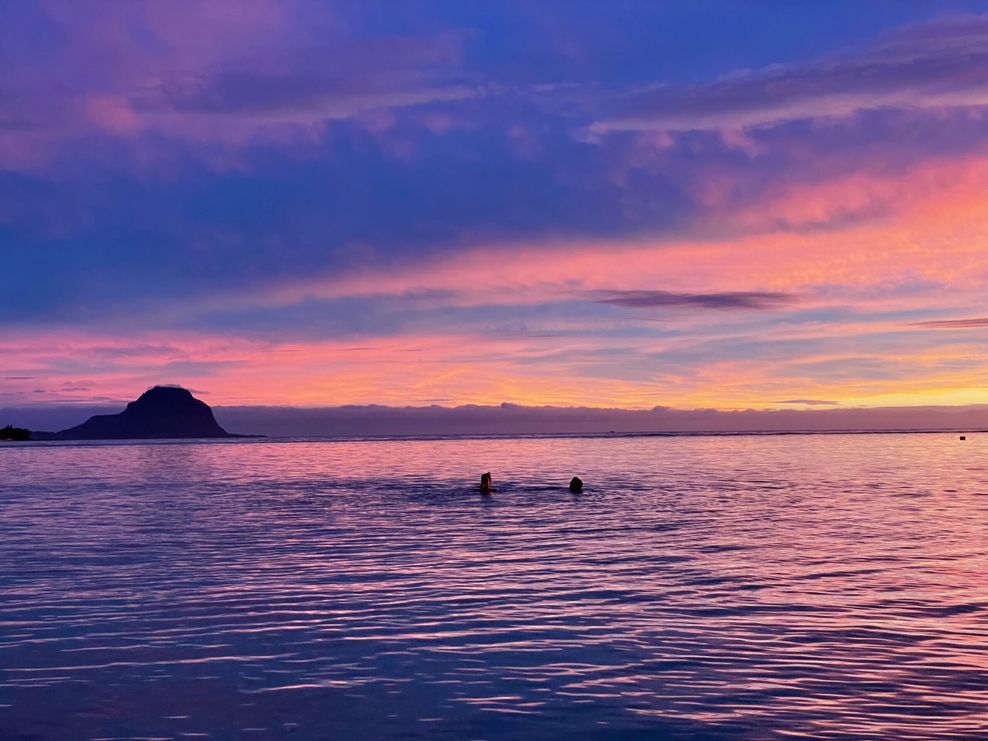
(17, 434)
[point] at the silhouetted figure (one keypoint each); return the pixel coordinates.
(576, 485)
(485, 483)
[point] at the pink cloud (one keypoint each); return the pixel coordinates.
(224, 74)
(927, 229)
(419, 368)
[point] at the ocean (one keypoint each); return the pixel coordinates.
(750, 587)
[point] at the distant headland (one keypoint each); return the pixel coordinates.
(162, 412)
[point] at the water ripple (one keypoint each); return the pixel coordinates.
(724, 587)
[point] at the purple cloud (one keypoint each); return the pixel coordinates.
(727, 300)
(146, 73)
(338, 81)
(940, 64)
(298, 96)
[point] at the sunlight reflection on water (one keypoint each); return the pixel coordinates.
(720, 587)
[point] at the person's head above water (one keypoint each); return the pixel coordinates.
(485, 482)
(576, 484)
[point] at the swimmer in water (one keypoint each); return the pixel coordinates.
(485, 484)
(576, 485)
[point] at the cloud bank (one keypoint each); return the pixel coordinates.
(513, 419)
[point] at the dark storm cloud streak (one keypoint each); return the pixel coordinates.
(975, 323)
(298, 95)
(932, 65)
(730, 300)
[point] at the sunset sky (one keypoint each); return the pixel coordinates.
(624, 204)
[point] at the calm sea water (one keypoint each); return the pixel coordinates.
(825, 586)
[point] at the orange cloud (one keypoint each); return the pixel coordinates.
(922, 256)
(929, 225)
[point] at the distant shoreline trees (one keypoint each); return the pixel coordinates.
(14, 433)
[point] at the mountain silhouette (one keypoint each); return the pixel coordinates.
(160, 412)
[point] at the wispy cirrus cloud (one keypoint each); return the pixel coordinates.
(938, 64)
(301, 97)
(337, 81)
(233, 74)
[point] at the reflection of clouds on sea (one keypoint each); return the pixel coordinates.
(167, 588)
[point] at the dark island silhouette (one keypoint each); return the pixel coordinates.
(160, 413)
(14, 433)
